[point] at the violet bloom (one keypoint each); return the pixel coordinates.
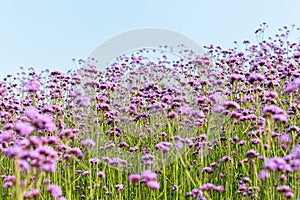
(285, 138)
(225, 159)
(256, 77)
(207, 170)
(54, 190)
(252, 153)
(263, 175)
(153, 184)
(6, 136)
(284, 188)
(134, 177)
(219, 188)
(101, 174)
(32, 86)
(83, 101)
(23, 128)
(120, 187)
(280, 117)
(88, 143)
(272, 109)
(164, 146)
(198, 113)
(231, 104)
(235, 77)
(295, 84)
(33, 193)
(277, 163)
(207, 186)
(172, 115)
(45, 122)
(174, 187)
(148, 175)
(289, 195)
(94, 161)
(12, 151)
(31, 112)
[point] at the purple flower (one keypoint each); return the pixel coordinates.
(174, 187)
(101, 174)
(285, 138)
(271, 109)
(231, 104)
(289, 195)
(6, 136)
(256, 77)
(263, 175)
(134, 177)
(284, 188)
(214, 164)
(207, 170)
(94, 160)
(153, 184)
(148, 175)
(31, 112)
(48, 166)
(252, 153)
(12, 151)
(24, 166)
(23, 128)
(54, 190)
(32, 86)
(295, 84)
(83, 101)
(235, 77)
(7, 184)
(45, 122)
(198, 113)
(280, 117)
(207, 186)
(164, 146)
(120, 187)
(219, 188)
(277, 163)
(172, 115)
(225, 159)
(85, 173)
(88, 143)
(47, 181)
(255, 141)
(295, 154)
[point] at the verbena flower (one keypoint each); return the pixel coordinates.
(54, 190)
(32, 86)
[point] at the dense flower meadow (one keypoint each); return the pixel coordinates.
(220, 126)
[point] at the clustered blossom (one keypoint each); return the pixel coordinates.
(287, 164)
(295, 84)
(33, 86)
(220, 118)
(198, 192)
(54, 190)
(148, 176)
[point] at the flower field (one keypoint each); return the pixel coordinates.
(220, 126)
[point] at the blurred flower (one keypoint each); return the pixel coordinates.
(23, 128)
(54, 191)
(134, 177)
(153, 184)
(32, 86)
(295, 84)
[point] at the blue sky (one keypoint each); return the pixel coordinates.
(48, 34)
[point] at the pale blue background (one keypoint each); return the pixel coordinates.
(48, 34)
